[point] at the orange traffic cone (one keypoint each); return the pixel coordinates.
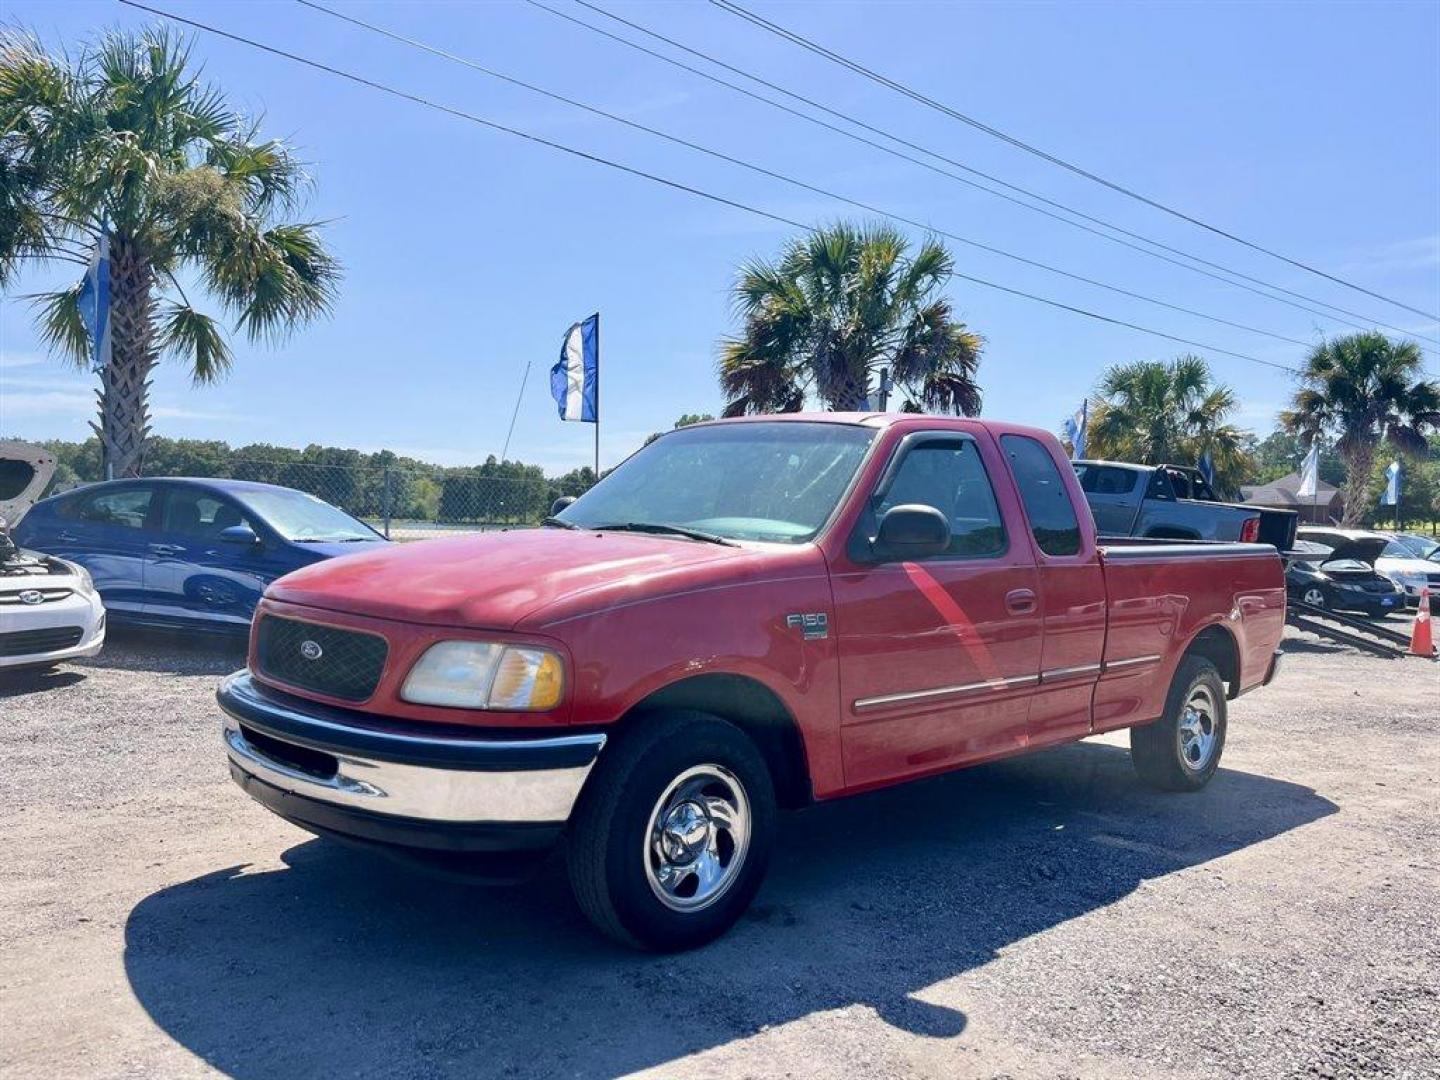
(1421, 643)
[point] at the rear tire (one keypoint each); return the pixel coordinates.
(1314, 596)
(671, 837)
(1181, 750)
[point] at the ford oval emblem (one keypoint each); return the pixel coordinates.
(311, 650)
(32, 596)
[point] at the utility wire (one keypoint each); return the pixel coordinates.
(718, 155)
(1365, 323)
(664, 181)
(900, 88)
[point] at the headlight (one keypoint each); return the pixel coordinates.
(486, 675)
(87, 583)
(1409, 577)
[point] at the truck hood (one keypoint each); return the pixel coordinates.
(24, 471)
(495, 580)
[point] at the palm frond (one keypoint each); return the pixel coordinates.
(61, 326)
(195, 338)
(274, 279)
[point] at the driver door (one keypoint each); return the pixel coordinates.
(938, 656)
(194, 575)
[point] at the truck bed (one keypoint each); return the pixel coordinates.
(1160, 594)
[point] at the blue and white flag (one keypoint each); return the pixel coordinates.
(575, 379)
(1075, 429)
(1206, 465)
(1310, 473)
(1392, 485)
(94, 303)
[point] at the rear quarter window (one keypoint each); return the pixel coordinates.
(1047, 503)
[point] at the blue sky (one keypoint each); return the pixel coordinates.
(1313, 128)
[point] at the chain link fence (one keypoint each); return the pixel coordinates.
(411, 504)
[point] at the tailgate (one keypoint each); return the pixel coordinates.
(1277, 528)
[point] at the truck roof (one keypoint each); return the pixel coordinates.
(879, 420)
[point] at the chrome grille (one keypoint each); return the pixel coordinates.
(12, 596)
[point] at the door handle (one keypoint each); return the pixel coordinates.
(67, 537)
(1020, 601)
(166, 549)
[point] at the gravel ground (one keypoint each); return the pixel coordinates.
(1043, 917)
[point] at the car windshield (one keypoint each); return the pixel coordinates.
(776, 481)
(1421, 547)
(1399, 549)
(304, 518)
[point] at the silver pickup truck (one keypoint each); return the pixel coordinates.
(1176, 503)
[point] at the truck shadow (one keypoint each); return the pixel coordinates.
(344, 964)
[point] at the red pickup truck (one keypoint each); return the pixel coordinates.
(744, 616)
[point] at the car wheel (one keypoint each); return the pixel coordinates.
(672, 834)
(1181, 750)
(1314, 596)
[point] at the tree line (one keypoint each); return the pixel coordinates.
(370, 485)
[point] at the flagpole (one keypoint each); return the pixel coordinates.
(516, 413)
(597, 397)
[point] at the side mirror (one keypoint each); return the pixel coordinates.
(912, 531)
(560, 504)
(239, 535)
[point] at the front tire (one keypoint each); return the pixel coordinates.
(1314, 596)
(671, 837)
(1181, 750)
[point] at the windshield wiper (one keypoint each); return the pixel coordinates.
(557, 523)
(667, 530)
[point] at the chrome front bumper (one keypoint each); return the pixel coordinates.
(322, 768)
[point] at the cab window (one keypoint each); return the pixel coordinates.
(1106, 480)
(950, 476)
(1047, 503)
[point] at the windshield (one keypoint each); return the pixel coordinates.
(304, 518)
(1399, 548)
(1421, 547)
(761, 481)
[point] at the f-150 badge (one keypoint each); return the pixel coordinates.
(813, 625)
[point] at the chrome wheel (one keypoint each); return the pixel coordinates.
(697, 837)
(1197, 729)
(1314, 597)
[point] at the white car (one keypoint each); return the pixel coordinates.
(49, 609)
(1396, 558)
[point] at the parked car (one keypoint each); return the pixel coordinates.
(1389, 555)
(1341, 579)
(49, 610)
(747, 614)
(1174, 502)
(190, 553)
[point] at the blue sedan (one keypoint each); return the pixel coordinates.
(189, 553)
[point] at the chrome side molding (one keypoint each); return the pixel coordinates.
(861, 704)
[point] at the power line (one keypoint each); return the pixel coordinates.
(761, 170)
(664, 181)
(900, 88)
(1365, 324)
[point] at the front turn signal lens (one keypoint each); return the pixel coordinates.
(527, 679)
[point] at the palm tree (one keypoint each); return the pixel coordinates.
(839, 305)
(1156, 412)
(1360, 390)
(127, 144)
